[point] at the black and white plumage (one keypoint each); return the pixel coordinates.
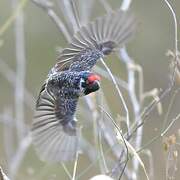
(54, 130)
(95, 40)
(54, 127)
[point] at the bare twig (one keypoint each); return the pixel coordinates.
(175, 27)
(58, 22)
(86, 10)
(75, 12)
(19, 155)
(8, 134)
(135, 103)
(119, 93)
(149, 109)
(10, 76)
(105, 74)
(169, 108)
(11, 19)
(125, 5)
(119, 131)
(175, 41)
(67, 171)
(3, 175)
(106, 5)
(159, 135)
(170, 125)
(75, 166)
(20, 72)
(72, 16)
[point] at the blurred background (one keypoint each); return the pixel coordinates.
(28, 49)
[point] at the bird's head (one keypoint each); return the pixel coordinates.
(89, 83)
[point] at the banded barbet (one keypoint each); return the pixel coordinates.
(54, 130)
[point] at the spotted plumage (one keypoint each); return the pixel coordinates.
(54, 129)
(55, 113)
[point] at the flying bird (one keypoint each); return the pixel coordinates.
(54, 128)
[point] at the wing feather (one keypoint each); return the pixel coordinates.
(53, 141)
(116, 27)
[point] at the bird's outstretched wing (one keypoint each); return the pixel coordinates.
(54, 129)
(95, 40)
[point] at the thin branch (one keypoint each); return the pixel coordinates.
(11, 19)
(145, 114)
(169, 108)
(104, 163)
(154, 103)
(105, 74)
(125, 5)
(72, 15)
(159, 135)
(75, 166)
(19, 155)
(8, 134)
(134, 100)
(175, 41)
(3, 175)
(86, 10)
(56, 19)
(106, 5)
(170, 125)
(119, 93)
(75, 12)
(124, 142)
(93, 163)
(20, 72)
(66, 171)
(10, 76)
(175, 27)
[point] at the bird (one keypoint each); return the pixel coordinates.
(54, 128)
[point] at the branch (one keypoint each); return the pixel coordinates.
(56, 19)
(3, 175)
(20, 72)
